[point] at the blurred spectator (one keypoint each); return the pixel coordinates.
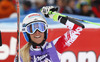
(70, 7)
(27, 7)
(6, 8)
(61, 4)
(14, 2)
(39, 4)
(51, 2)
(84, 10)
(96, 7)
(78, 4)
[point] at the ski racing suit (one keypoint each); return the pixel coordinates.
(51, 51)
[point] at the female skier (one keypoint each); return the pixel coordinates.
(35, 31)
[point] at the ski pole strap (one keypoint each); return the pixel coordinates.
(56, 15)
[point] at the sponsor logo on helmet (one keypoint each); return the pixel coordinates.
(33, 15)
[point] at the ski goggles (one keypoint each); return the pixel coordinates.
(32, 27)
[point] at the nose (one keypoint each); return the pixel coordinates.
(37, 31)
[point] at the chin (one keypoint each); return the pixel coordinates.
(38, 42)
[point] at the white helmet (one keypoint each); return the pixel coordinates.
(31, 18)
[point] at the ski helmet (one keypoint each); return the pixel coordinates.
(31, 18)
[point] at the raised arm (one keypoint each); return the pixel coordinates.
(71, 35)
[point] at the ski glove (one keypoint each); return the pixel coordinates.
(46, 9)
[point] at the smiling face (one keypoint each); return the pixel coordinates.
(37, 37)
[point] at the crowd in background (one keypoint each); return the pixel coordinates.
(89, 8)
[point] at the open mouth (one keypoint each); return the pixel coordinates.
(37, 36)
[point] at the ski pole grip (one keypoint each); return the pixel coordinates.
(54, 9)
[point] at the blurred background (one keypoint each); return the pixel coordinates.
(89, 8)
(88, 41)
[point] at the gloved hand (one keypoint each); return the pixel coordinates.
(46, 9)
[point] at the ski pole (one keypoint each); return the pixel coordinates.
(50, 12)
(18, 31)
